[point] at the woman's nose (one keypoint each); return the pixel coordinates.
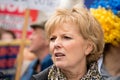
(57, 43)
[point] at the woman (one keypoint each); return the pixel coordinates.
(76, 43)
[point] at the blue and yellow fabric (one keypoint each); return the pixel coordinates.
(107, 12)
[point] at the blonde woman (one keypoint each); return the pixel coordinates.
(76, 42)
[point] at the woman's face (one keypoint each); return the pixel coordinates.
(67, 46)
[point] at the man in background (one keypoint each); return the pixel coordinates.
(40, 47)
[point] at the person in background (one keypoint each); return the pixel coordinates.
(109, 63)
(76, 42)
(108, 17)
(7, 35)
(39, 46)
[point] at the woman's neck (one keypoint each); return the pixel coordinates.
(76, 73)
(112, 61)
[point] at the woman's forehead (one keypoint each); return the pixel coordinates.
(66, 25)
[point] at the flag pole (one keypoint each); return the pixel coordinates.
(22, 45)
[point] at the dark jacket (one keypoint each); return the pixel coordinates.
(42, 75)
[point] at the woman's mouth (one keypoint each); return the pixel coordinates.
(59, 55)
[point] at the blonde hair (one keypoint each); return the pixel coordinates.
(89, 28)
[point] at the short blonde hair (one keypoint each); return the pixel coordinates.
(89, 28)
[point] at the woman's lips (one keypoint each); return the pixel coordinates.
(59, 54)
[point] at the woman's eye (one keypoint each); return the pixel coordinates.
(52, 39)
(66, 37)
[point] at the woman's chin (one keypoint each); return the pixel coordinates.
(60, 65)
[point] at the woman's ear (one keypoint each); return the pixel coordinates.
(89, 48)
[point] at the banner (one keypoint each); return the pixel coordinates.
(12, 17)
(12, 13)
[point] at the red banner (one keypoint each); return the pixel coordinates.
(12, 17)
